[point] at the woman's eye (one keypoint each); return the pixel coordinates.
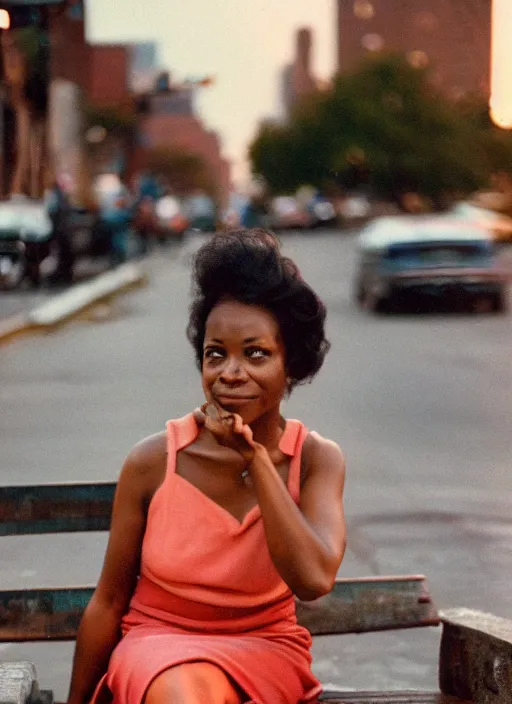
(256, 353)
(213, 353)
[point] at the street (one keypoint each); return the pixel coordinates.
(421, 406)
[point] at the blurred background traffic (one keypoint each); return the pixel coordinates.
(374, 136)
(105, 154)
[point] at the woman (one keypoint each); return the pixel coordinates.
(221, 520)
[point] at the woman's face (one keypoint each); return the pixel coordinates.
(243, 360)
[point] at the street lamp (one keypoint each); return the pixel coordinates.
(501, 64)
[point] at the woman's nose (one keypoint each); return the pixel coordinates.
(233, 370)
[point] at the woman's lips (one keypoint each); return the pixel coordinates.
(231, 400)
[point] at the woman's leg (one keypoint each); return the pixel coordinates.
(194, 683)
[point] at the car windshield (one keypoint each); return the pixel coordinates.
(440, 254)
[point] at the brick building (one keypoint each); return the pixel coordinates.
(451, 36)
(69, 56)
(297, 78)
(108, 76)
(170, 121)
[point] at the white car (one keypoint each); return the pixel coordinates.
(437, 260)
(500, 225)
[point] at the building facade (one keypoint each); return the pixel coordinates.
(170, 122)
(452, 37)
(297, 79)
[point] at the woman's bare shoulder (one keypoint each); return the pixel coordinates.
(320, 452)
(147, 460)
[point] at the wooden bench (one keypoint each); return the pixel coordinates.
(475, 661)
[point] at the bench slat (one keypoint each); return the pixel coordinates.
(354, 606)
(389, 698)
(370, 604)
(42, 614)
(55, 508)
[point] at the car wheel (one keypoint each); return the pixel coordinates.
(499, 302)
(374, 303)
(359, 294)
(12, 271)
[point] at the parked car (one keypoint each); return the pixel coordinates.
(201, 212)
(322, 211)
(171, 221)
(499, 224)
(428, 259)
(25, 240)
(286, 213)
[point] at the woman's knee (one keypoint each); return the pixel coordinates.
(192, 683)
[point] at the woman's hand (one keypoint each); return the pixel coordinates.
(228, 429)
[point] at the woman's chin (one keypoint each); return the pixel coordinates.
(246, 414)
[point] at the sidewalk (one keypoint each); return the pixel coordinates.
(26, 311)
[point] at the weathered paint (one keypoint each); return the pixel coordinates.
(55, 508)
(476, 656)
(42, 614)
(370, 604)
(354, 606)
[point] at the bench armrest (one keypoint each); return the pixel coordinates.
(475, 660)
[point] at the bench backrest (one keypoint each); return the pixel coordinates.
(353, 606)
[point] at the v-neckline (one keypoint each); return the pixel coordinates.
(253, 513)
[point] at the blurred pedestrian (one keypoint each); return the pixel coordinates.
(119, 218)
(59, 208)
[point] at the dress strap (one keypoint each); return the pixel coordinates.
(180, 433)
(183, 431)
(291, 444)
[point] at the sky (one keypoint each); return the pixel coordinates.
(244, 44)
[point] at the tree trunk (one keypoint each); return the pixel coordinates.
(31, 130)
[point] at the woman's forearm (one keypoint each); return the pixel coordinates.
(98, 635)
(300, 556)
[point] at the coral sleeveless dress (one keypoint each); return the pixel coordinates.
(208, 591)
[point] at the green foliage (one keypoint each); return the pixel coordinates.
(115, 121)
(184, 172)
(386, 125)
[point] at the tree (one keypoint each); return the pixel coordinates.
(183, 171)
(385, 126)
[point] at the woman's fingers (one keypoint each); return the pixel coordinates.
(238, 424)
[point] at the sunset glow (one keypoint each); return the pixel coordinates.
(501, 64)
(5, 20)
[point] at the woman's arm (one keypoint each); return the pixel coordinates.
(99, 630)
(307, 543)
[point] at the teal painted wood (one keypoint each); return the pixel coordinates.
(370, 604)
(55, 508)
(354, 606)
(42, 614)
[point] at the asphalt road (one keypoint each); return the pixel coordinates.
(420, 404)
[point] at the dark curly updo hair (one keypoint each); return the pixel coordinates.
(247, 266)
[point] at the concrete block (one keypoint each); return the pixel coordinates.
(476, 656)
(18, 683)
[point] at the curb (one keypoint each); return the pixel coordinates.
(63, 307)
